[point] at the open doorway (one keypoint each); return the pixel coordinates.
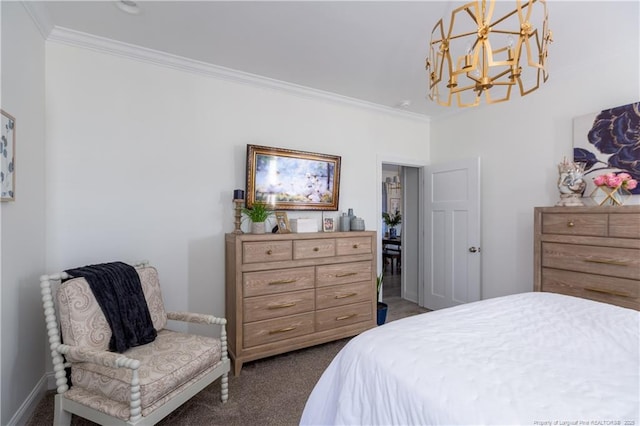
(400, 245)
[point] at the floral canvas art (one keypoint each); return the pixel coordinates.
(608, 142)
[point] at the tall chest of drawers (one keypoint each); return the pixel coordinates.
(589, 252)
(289, 291)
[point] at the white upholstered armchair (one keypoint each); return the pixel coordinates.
(139, 386)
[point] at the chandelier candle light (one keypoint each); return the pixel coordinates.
(486, 53)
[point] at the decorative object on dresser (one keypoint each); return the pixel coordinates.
(290, 291)
(589, 252)
(238, 201)
(292, 180)
(144, 383)
(613, 189)
(258, 213)
(570, 183)
(283, 223)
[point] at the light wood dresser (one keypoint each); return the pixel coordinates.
(290, 291)
(589, 252)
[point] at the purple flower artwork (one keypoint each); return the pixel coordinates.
(608, 142)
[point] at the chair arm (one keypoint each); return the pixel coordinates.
(196, 318)
(105, 358)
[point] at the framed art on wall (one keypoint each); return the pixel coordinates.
(7, 158)
(608, 142)
(292, 180)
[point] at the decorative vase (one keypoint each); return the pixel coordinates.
(570, 183)
(382, 313)
(393, 233)
(257, 227)
(606, 196)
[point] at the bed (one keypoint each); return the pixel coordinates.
(532, 358)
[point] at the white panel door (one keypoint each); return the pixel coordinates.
(453, 234)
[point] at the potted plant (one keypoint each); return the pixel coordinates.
(258, 214)
(382, 307)
(392, 220)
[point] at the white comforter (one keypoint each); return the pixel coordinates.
(532, 358)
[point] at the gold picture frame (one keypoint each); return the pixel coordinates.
(283, 223)
(287, 179)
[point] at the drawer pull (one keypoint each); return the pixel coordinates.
(269, 251)
(611, 292)
(348, 274)
(570, 224)
(282, 282)
(316, 249)
(344, 296)
(283, 305)
(355, 246)
(344, 317)
(608, 261)
(282, 330)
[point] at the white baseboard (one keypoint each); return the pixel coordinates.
(29, 405)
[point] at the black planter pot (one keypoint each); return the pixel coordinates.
(382, 312)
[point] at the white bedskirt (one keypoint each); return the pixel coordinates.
(532, 358)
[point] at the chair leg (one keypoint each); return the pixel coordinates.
(60, 416)
(224, 392)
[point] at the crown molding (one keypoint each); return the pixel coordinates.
(39, 16)
(142, 54)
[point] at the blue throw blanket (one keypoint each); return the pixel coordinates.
(117, 289)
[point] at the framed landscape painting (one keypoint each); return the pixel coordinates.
(286, 179)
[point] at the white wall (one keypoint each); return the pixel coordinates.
(522, 141)
(143, 159)
(23, 249)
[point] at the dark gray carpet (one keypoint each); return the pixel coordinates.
(270, 391)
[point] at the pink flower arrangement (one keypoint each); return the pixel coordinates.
(613, 180)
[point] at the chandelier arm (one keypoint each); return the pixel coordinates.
(459, 36)
(473, 16)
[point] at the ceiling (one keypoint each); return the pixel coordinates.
(372, 51)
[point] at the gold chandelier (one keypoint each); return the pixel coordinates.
(482, 55)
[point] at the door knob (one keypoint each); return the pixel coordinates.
(474, 249)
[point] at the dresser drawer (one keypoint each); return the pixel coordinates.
(278, 305)
(616, 262)
(266, 251)
(343, 273)
(575, 224)
(261, 332)
(354, 245)
(624, 225)
(619, 291)
(344, 294)
(312, 249)
(327, 319)
(278, 281)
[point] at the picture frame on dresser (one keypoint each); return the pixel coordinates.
(288, 179)
(328, 224)
(283, 223)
